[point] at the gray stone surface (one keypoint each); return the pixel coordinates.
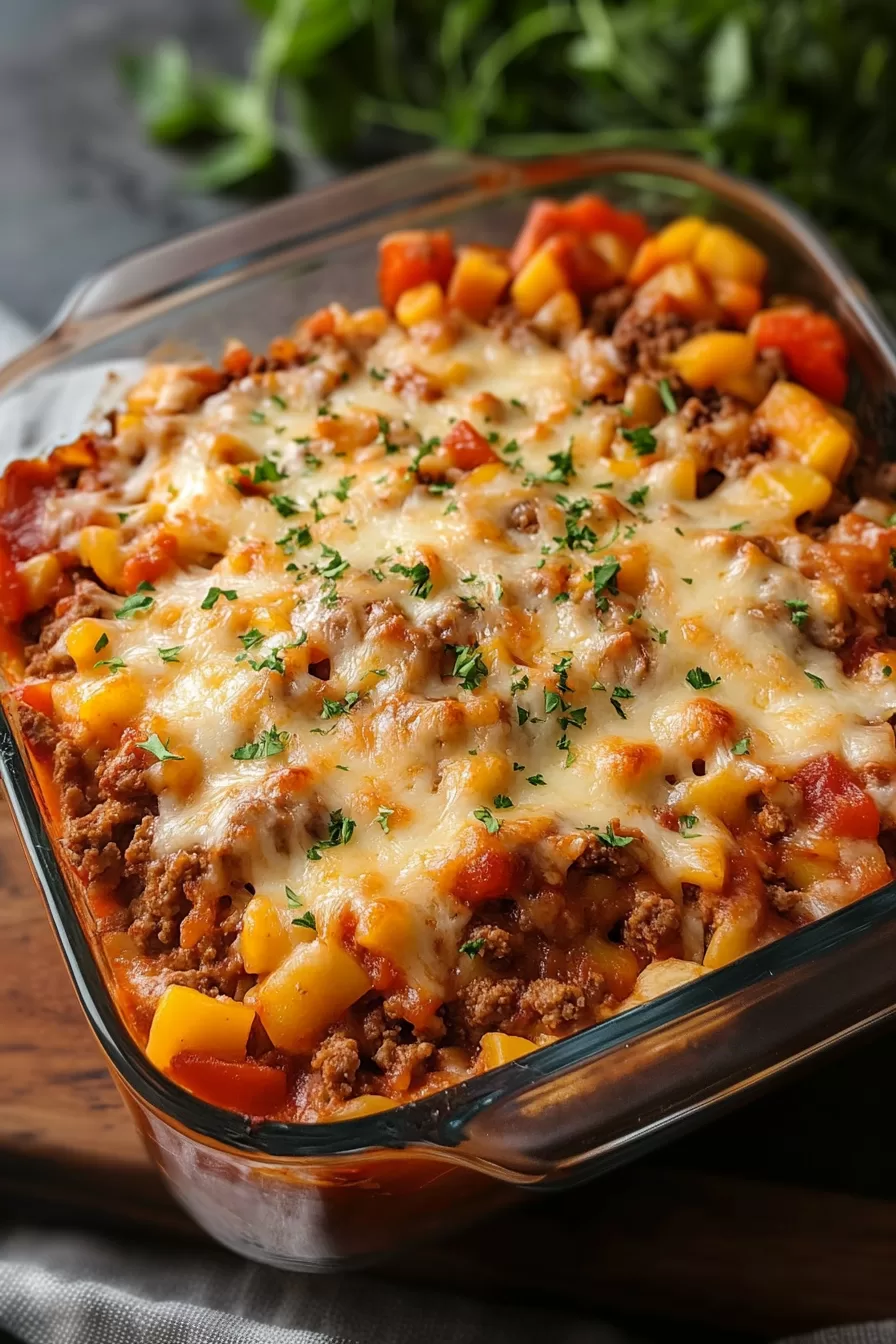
(79, 185)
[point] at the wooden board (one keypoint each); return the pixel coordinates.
(777, 1218)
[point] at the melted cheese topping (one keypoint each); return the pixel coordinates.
(635, 631)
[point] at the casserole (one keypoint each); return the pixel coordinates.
(288, 1194)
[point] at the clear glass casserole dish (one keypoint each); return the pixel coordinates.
(315, 1196)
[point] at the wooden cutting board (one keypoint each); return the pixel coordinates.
(777, 1218)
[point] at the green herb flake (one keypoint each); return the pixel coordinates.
(468, 665)
(610, 838)
(501, 801)
(141, 600)
(421, 584)
(741, 748)
(306, 921)
(113, 664)
(472, 947)
(799, 611)
(265, 471)
(700, 679)
(213, 594)
(156, 747)
(340, 830)
(817, 682)
(170, 655)
(269, 743)
(641, 439)
(491, 824)
(382, 818)
(536, 780)
(667, 396)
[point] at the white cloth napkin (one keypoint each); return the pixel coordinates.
(78, 1288)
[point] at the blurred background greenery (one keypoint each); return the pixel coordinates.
(797, 93)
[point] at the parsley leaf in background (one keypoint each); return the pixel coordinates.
(794, 94)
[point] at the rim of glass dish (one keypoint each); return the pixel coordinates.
(437, 1122)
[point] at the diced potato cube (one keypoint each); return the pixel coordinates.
(423, 303)
(386, 927)
(39, 574)
(81, 640)
(737, 299)
(724, 254)
(676, 477)
(732, 938)
(711, 359)
(188, 1020)
(497, 1048)
(615, 250)
(679, 286)
(541, 278)
(100, 550)
(809, 429)
(112, 706)
(723, 793)
(660, 977)
(704, 862)
(793, 487)
(676, 242)
(560, 318)
(309, 991)
(477, 282)
(617, 964)
(264, 937)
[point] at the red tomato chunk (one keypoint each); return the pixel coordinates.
(835, 801)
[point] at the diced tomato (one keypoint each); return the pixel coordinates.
(467, 447)
(37, 695)
(248, 1087)
(413, 258)
(157, 557)
(237, 359)
(485, 876)
(583, 216)
(813, 347)
(321, 323)
(834, 799)
(586, 271)
(13, 597)
(544, 219)
(592, 214)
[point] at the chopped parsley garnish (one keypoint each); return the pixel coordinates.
(738, 527)
(285, 505)
(294, 540)
(472, 946)
(156, 747)
(331, 709)
(257, 417)
(700, 679)
(251, 638)
(345, 484)
(522, 715)
(799, 611)
(378, 374)
(491, 824)
(421, 584)
(266, 470)
(886, 670)
(468, 665)
(101, 643)
(170, 655)
(686, 826)
(306, 921)
(340, 830)
(385, 427)
(620, 693)
(609, 837)
(741, 748)
(603, 578)
(269, 743)
(536, 779)
(279, 402)
(562, 468)
(642, 440)
(141, 600)
(501, 801)
(521, 685)
(666, 396)
(292, 900)
(382, 818)
(335, 566)
(213, 594)
(661, 636)
(579, 536)
(817, 682)
(637, 497)
(272, 662)
(687, 580)
(562, 669)
(113, 664)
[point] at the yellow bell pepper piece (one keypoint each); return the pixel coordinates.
(477, 282)
(39, 574)
(115, 703)
(676, 242)
(541, 278)
(100, 550)
(187, 1020)
(809, 429)
(264, 937)
(81, 640)
(792, 486)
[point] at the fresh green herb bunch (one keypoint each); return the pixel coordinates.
(795, 92)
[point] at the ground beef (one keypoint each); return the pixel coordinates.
(608, 307)
(337, 1061)
(616, 860)
(772, 821)
(553, 1004)
(645, 340)
(781, 899)
(37, 728)
(164, 901)
(497, 944)
(43, 659)
(523, 517)
(413, 385)
(403, 1065)
(653, 921)
(488, 1005)
(96, 843)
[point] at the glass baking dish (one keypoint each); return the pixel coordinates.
(318, 1196)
